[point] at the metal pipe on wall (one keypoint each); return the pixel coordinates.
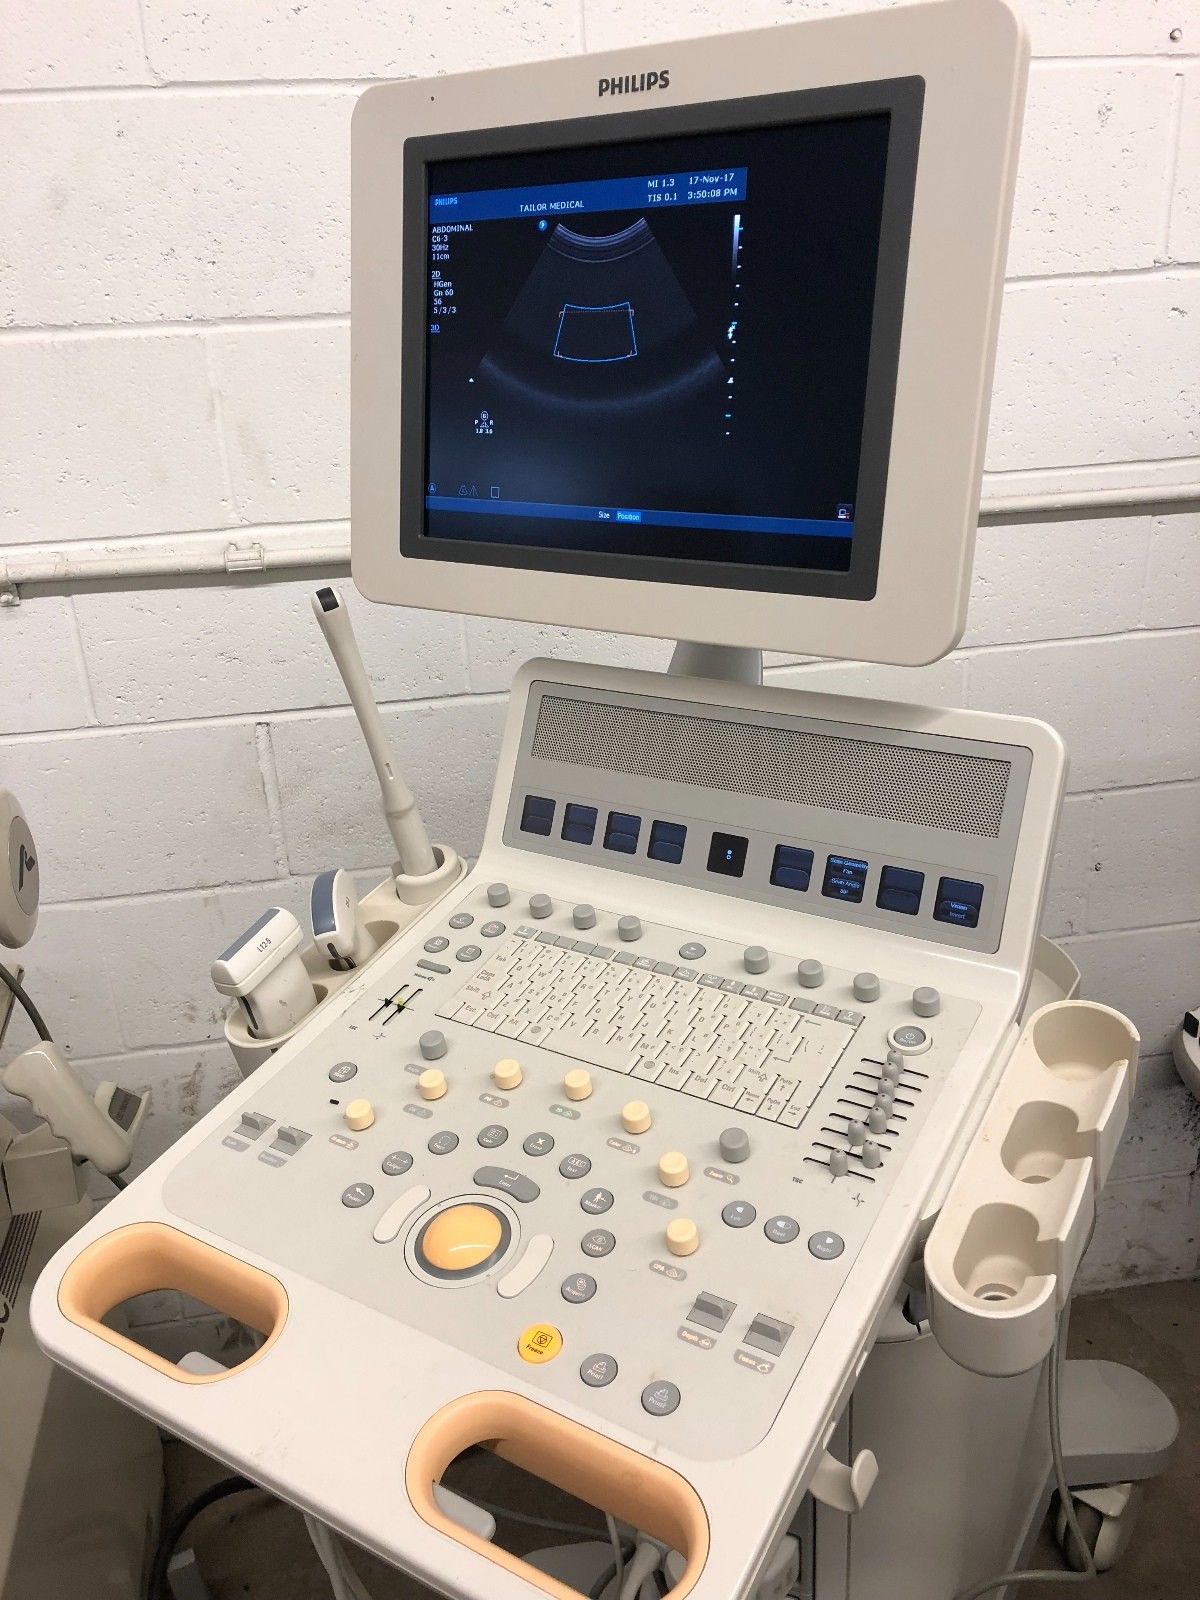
(184, 559)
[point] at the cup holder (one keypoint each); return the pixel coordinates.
(1078, 1041)
(1042, 1137)
(1000, 1254)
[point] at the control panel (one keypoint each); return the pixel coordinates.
(906, 830)
(631, 1163)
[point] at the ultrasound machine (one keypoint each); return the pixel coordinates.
(720, 1145)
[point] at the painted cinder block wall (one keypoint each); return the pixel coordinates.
(173, 360)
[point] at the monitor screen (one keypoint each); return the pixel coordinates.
(669, 356)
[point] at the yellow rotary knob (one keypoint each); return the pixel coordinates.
(578, 1083)
(635, 1116)
(683, 1236)
(359, 1114)
(507, 1074)
(432, 1083)
(673, 1169)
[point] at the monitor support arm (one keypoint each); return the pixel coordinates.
(732, 663)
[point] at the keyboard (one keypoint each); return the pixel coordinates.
(752, 1050)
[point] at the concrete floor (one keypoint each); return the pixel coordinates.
(254, 1546)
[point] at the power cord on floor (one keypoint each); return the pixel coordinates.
(156, 1587)
(1054, 1387)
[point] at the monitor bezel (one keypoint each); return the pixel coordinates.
(901, 99)
(973, 57)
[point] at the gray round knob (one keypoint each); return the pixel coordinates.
(856, 1132)
(811, 974)
(584, 916)
(839, 1163)
(926, 1002)
(755, 958)
(872, 1155)
(866, 987)
(735, 1144)
(433, 1044)
(629, 928)
(498, 894)
(540, 905)
(877, 1120)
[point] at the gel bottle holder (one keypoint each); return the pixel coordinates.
(1003, 1253)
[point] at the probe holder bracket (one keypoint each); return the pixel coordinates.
(1004, 1250)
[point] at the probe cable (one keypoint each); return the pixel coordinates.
(23, 1000)
(1035, 1575)
(156, 1588)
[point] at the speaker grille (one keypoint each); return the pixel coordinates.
(893, 782)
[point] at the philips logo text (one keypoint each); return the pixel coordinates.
(635, 83)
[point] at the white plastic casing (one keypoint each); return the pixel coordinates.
(263, 970)
(337, 930)
(972, 56)
(19, 876)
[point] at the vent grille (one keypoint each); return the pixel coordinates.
(892, 782)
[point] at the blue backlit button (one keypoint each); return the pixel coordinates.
(538, 1144)
(738, 1214)
(621, 832)
(578, 1288)
(575, 1166)
(537, 815)
(437, 944)
(845, 879)
(909, 1039)
(579, 824)
(358, 1194)
(442, 1143)
(826, 1246)
(791, 867)
(727, 854)
(781, 1230)
(598, 1243)
(494, 1134)
(958, 902)
(599, 1370)
(660, 1398)
(900, 890)
(666, 842)
(596, 1201)
(692, 951)
(397, 1162)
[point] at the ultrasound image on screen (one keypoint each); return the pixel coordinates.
(657, 348)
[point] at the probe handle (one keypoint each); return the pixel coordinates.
(399, 808)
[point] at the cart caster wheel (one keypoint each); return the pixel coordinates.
(1106, 1518)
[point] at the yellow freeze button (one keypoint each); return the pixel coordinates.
(540, 1342)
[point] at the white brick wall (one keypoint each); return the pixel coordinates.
(174, 358)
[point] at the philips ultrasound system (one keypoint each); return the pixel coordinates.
(720, 1145)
